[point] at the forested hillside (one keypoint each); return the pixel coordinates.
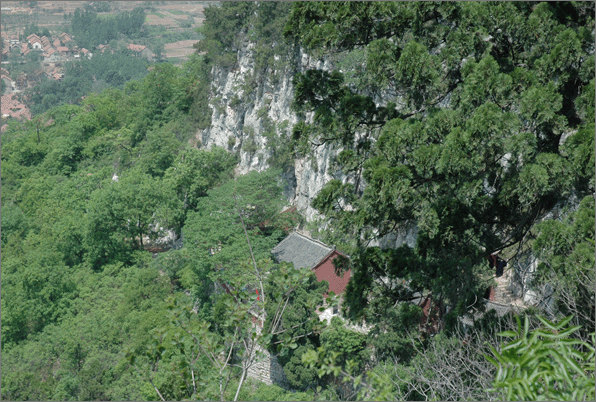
(136, 259)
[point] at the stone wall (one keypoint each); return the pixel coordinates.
(265, 367)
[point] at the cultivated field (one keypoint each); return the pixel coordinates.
(181, 48)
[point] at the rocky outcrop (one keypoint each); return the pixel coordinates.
(247, 110)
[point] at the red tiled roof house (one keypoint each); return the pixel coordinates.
(141, 50)
(35, 43)
(64, 37)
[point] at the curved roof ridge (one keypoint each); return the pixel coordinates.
(320, 243)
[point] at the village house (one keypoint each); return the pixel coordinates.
(34, 41)
(136, 48)
(63, 49)
(306, 253)
(52, 56)
(64, 37)
(55, 74)
(36, 44)
(12, 107)
(14, 42)
(45, 42)
(141, 51)
(86, 53)
(10, 85)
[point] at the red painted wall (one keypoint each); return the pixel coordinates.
(325, 271)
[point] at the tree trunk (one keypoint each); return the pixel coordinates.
(140, 232)
(157, 390)
(244, 369)
(221, 393)
(194, 384)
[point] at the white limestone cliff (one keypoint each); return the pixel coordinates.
(241, 104)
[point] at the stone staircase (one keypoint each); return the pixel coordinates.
(503, 295)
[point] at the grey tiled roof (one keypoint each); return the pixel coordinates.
(300, 250)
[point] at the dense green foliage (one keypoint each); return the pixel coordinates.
(486, 133)
(84, 76)
(73, 236)
(88, 190)
(470, 122)
(545, 364)
(137, 267)
(566, 251)
(91, 30)
(230, 25)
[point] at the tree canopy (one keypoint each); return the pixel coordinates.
(464, 121)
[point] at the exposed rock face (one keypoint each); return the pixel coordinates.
(525, 266)
(166, 240)
(243, 104)
(244, 108)
(406, 235)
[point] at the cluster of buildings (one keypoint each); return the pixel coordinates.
(12, 107)
(60, 48)
(53, 49)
